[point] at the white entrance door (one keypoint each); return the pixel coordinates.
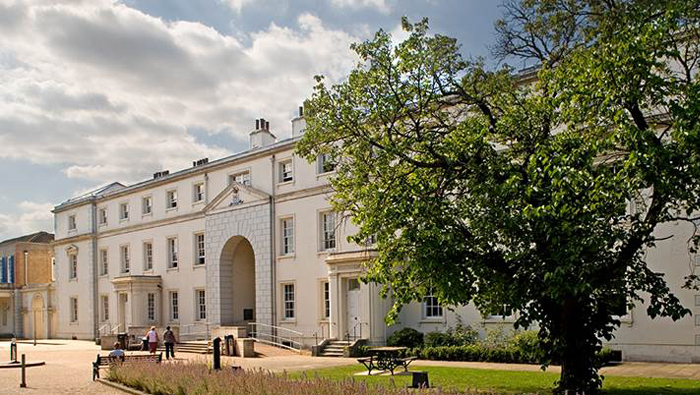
(352, 303)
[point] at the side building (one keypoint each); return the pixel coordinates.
(251, 238)
(27, 296)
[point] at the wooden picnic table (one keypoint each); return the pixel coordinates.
(386, 358)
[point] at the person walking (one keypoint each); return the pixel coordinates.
(152, 337)
(169, 340)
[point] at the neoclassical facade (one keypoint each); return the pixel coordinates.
(251, 238)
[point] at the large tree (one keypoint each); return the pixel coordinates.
(539, 191)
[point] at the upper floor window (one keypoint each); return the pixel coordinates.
(199, 247)
(241, 178)
(328, 230)
(146, 205)
(125, 259)
(325, 163)
(287, 236)
(72, 266)
(103, 216)
(172, 252)
(171, 199)
(198, 193)
(123, 211)
(72, 223)
(431, 307)
(286, 172)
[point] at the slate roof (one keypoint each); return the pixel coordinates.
(38, 237)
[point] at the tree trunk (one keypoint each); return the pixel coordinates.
(578, 347)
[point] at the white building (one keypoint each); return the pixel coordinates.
(251, 238)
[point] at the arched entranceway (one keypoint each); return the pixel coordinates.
(237, 282)
(37, 318)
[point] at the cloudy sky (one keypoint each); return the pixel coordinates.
(96, 91)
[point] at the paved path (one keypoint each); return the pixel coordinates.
(67, 369)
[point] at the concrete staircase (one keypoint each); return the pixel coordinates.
(334, 348)
(191, 347)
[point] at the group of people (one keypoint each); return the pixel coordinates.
(153, 339)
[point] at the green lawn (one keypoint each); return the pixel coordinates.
(508, 381)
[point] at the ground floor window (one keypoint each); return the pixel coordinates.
(201, 304)
(288, 292)
(151, 308)
(326, 299)
(105, 307)
(73, 309)
(174, 308)
(431, 307)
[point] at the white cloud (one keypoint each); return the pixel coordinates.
(108, 93)
(237, 5)
(383, 6)
(31, 217)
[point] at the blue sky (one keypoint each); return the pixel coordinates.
(95, 91)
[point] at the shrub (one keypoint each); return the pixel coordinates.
(528, 345)
(406, 337)
(460, 336)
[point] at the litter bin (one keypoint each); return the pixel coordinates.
(123, 340)
(144, 347)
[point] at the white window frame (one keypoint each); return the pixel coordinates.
(200, 300)
(174, 298)
(326, 299)
(72, 223)
(73, 306)
(200, 249)
(73, 266)
(125, 258)
(104, 261)
(245, 176)
(123, 211)
(432, 310)
(151, 306)
(287, 229)
(321, 161)
(171, 202)
(103, 216)
(285, 171)
(325, 241)
(147, 205)
(288, 302)
(104, 308)
(198, 192)
(147, 255)
(173, 252)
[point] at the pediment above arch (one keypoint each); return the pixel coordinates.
(236, 196)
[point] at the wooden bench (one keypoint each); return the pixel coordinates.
(104, 361)
(390, 364)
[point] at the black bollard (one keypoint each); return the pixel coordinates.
(217, 353)
(13, 351)
(23, 384)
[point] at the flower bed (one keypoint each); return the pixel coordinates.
(192, 378)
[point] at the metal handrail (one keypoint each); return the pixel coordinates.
(291, 339)
(354, 331)
(99, 331)
(111, 331)
(206, 332)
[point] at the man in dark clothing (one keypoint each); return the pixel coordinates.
(169, 340)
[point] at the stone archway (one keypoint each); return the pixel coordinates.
(237, 282)
(37, 318)
(225, 229)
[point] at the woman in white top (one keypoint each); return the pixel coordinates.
(152, 336)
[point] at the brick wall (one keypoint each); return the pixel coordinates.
(39, 265)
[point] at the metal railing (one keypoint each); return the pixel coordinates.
(101, 330)
(276, 336)
(356, 332)
(195, 331)
(321, 331)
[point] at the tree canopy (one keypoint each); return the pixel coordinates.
(538, 190)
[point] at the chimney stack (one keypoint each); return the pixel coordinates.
(261, 136)
(299, 123)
